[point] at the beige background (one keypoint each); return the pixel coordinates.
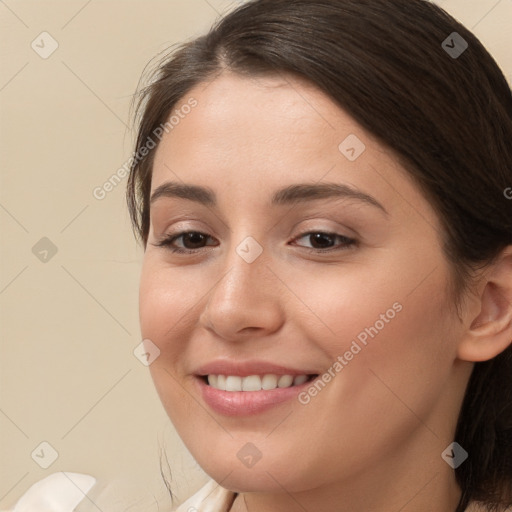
(69, 325)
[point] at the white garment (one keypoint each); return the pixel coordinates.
(75, 492)
(69, 492)
(58, 492)
(210, 498)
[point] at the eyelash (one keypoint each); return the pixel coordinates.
(169, 240)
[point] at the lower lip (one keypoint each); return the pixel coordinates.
(247, 403)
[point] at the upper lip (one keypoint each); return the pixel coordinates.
(248, 367)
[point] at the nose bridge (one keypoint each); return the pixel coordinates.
(242, 297)
(245, 268)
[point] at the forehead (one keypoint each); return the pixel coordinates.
(253, 125)
(232, 97)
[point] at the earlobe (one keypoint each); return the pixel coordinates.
(490, 331)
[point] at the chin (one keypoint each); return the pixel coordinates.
(269, 474)
(248, 480)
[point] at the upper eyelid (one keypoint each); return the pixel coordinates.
(315, 217)
(306, 231)
(311, 211)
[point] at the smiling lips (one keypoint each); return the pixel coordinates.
(245, 388)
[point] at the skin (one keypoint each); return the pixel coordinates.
(372, 438)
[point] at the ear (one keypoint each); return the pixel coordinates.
(490, 329)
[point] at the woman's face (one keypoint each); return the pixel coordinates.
(312, 253)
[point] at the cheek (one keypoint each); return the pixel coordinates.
(166, 303)
(403, 347)
(163, 310)
(166, 300)
(393, 338)
(392, 373)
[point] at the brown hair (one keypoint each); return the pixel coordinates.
(447, 118)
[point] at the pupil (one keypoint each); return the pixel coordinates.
(318, 237)
(190, 236)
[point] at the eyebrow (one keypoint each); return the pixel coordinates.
(292, 194)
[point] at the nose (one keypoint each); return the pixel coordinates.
(246, 301)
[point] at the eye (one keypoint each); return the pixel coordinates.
(194, 238)
(322, 242)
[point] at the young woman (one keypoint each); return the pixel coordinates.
(323, 192)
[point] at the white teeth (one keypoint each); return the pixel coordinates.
(233, 383)
(221, 382)
(285, 381)
(251, 383)
(254, 382)
(300, 379)
(269, 382)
